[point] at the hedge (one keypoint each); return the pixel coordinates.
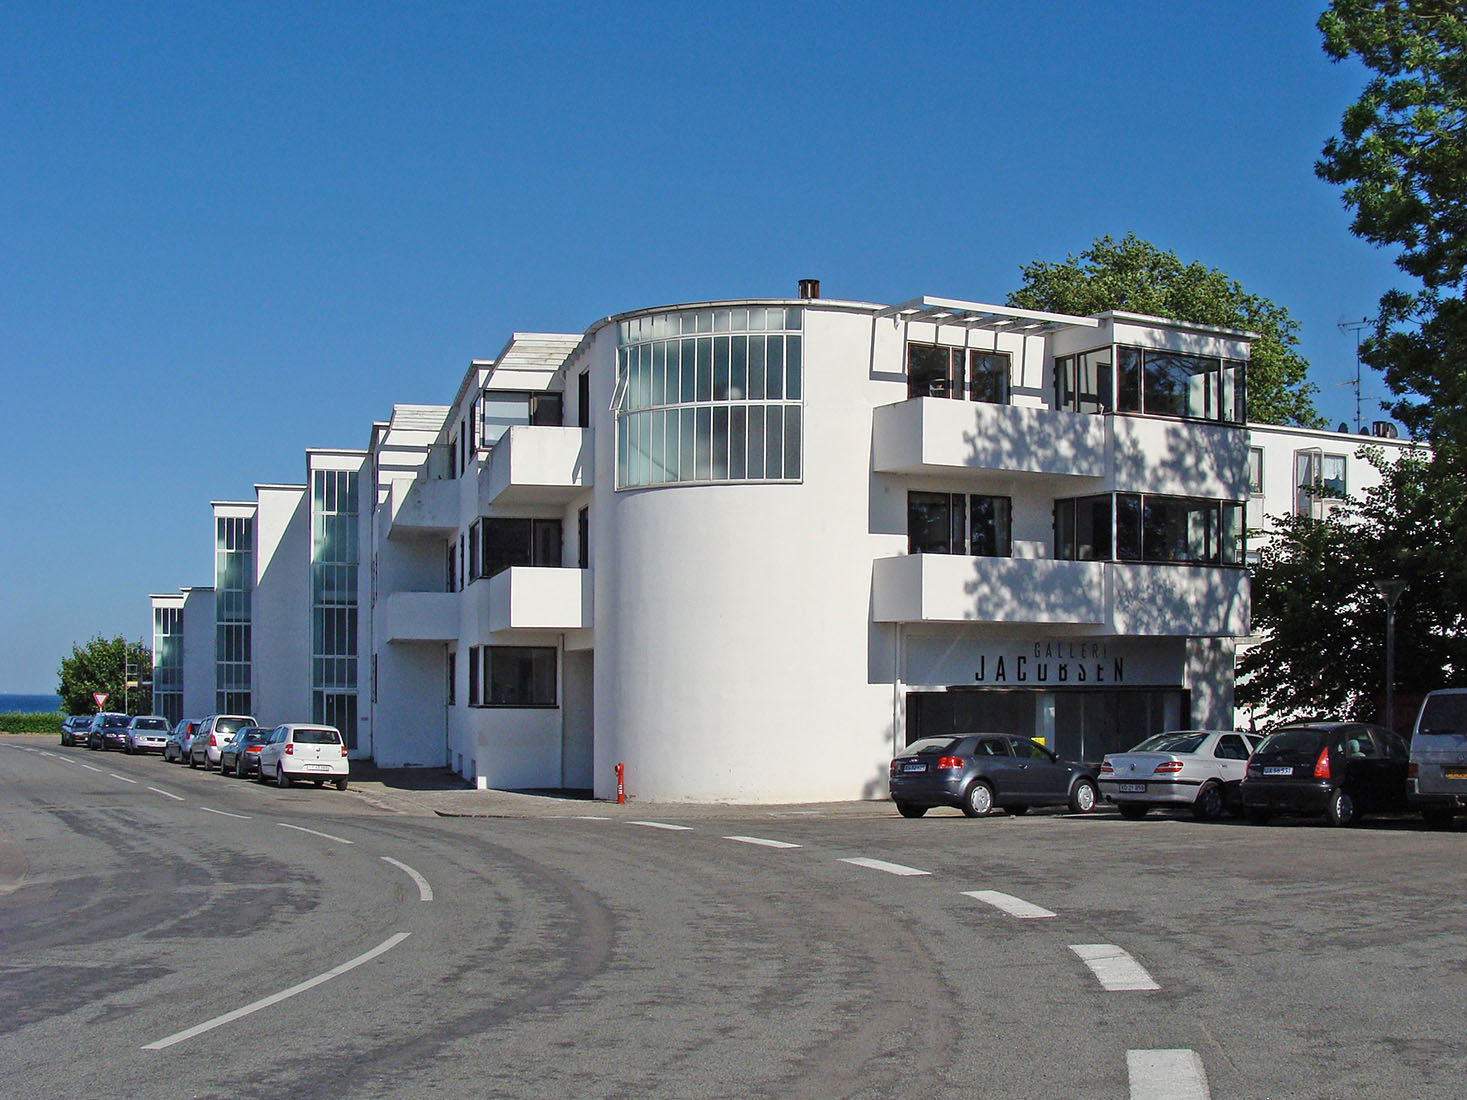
(43, 721)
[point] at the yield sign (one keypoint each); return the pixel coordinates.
(100, 698)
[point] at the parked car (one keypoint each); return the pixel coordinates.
(177, 743)
(74, 729)
(296, 752)
(1338, 769)
(1436, 777)
(241, 753)
(976, 772)
(146, 733)
(107, 731)
(1200, 769)
(208, 740)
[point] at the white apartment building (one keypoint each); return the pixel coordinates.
(749, 548)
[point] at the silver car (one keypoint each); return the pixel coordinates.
(209, 740)
(146, 733)
(1200, 769)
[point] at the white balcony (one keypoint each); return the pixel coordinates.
(928, 435)
(535, 598)
(534, 464)
(1111, 598)
(419, 616)
(422, 507)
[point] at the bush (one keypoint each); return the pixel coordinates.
(44, 721)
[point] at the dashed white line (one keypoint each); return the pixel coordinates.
(590, 817)
(124, 778)
(661, 825)
(224, 813)
(1113, 968)
(90, 768)
(303, 829)
(882, 865)
(1007, 903)
(1166, 1075)
(275, 998)
(763, 843)
(165, 794)
(425, 892)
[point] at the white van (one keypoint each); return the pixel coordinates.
(1437, 781)
(297, 752)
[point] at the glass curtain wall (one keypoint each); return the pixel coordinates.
(168, 663)
(234, 580)
(334, 563)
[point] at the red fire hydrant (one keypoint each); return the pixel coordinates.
(621, 786)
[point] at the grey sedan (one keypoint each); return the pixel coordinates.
(976, 772)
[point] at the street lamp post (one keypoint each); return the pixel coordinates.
(1391, 588)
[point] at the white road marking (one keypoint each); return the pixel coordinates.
(124, 778)
(275, 998)
(761, 842)
(303, 829)
(1166, 1075)
(43, 752)
(882, 865)
(590, 817)
(661, 825)
(224, 813)
(1113, 968)
(425, 892)
(1014, 907)
(90, 768)
(165, 794)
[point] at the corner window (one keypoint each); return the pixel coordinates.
(958, 523)
(1170, 383)
(1149, 528)
(500, 410)
(502, 543)
(1082, 383)
(519, 676)
(935, 370)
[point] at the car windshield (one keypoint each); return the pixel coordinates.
(112, 721)
(1444, 714)
(150, 724)
(317, 737)
(1286, 741)
(930, 746)
(1172, 742)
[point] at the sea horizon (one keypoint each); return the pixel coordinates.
(28, 703)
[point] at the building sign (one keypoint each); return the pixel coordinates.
(1045, 663)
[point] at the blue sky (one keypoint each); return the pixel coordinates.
(232, 232)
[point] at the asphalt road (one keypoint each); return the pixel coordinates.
(167, 933)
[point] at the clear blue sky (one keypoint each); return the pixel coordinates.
(231, 232)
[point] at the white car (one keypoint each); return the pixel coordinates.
(299, 752)
(146, 733)
(1201, 769)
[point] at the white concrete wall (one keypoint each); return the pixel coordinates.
(410, 721)
(198, 652)
(280, 631)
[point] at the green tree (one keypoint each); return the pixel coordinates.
(1401, 159)
(1135, 276)
(100, 666)
(1324, 621)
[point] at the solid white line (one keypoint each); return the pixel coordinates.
(425, 892)
(761, 842)
(124, 778)
(303, 829)
(590, 817)
(275, 998)
(1114, 968)
(660, 825)
(165, 794)
(882, 865)
(1166, 1075)
(1014, 907)
(224, 813)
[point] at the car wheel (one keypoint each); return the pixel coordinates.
(1133, 811)
(1082, 798)
(341, 783)
(978, 799)
(1015, 811)
(1257, 816)
(1438, 817)
(1209, 803)
(906, 809)
(1341, 808)
(192, 761)
(281, 779)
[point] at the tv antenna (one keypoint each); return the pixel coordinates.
(1356, 327)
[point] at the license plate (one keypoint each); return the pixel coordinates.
(1455, 773)
(914, 767)
(1132, 788)
(318, 767)
(1278, 771)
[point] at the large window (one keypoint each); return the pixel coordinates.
(496, 411)
(168, 662)
(709, 395)
(959, 523)
(512, 676)
(496, 544)
(334, 625)
(936, 370)
(1149, 528)
(234, 582)
(1152, 381)
(1319, 483)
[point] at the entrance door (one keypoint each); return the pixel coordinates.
(953, 713)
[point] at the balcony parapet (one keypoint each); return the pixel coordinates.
(538, 598)
(927, 435)
(537, 464)
(422, 507)
(419, 616)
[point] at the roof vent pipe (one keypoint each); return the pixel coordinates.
(809, 288)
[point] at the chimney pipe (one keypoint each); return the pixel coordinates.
(809, 288)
